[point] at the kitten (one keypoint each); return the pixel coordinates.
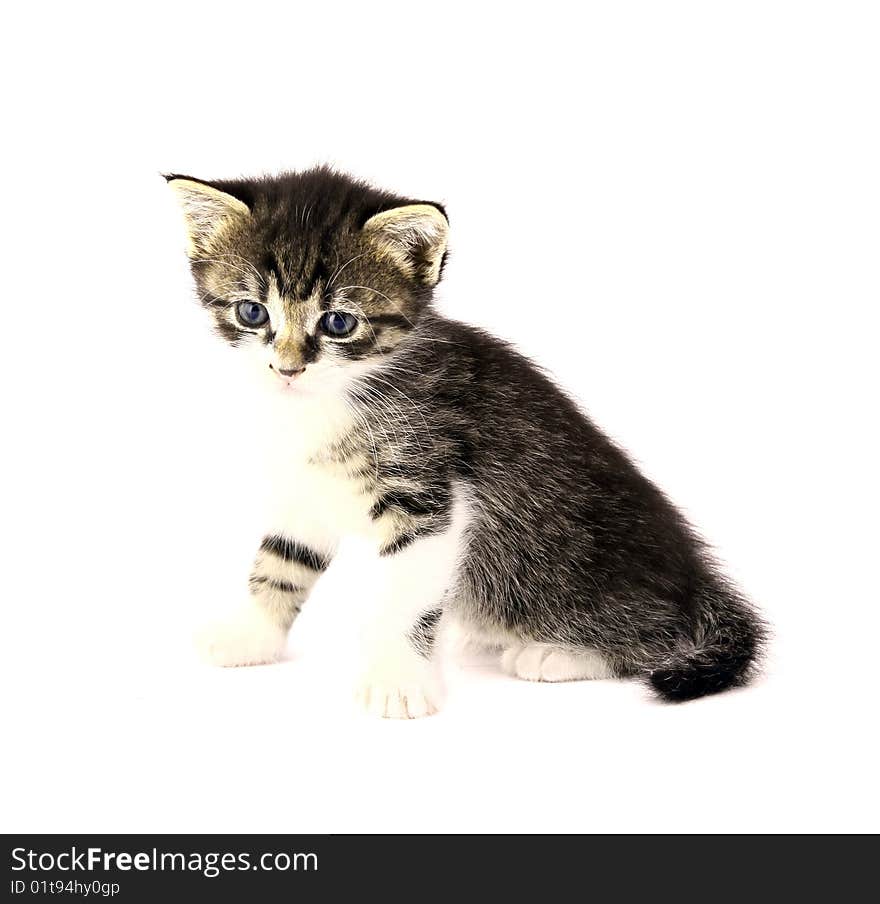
(489, 498)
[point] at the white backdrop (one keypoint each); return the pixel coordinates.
(691, 193)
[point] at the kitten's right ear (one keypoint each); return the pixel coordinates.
(206, 210)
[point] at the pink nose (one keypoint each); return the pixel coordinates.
(293, 372)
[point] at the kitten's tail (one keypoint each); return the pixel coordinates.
(729, 638)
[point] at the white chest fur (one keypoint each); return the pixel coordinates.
(309, 496)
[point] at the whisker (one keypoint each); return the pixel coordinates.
(214, 260)
(413, 404)
(333, 278)
(360, 419)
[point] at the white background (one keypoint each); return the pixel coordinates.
(672, 206)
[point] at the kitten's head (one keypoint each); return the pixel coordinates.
(314, 274)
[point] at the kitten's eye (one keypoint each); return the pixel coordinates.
(252, 313)
(338, 323)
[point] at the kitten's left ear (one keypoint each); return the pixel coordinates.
(206, 209)
(414, 237)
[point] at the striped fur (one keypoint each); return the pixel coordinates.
(283, 576)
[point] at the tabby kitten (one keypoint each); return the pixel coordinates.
(489, 498)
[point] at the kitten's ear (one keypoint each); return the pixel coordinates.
(414, 237)
(206, 211)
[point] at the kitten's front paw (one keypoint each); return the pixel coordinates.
(404, 702)
(407, 695)
(248, 638)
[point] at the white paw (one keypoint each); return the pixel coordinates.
(411, 693)
(404, 702)
(544, 662)
(248, 638)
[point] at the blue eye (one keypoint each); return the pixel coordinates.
(338, 323)
(252, 313)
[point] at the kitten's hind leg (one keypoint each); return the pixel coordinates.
(546, 662)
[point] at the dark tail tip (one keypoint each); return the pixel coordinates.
(725, 659)
(691, 680)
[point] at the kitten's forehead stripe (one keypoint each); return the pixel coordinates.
(273, 268)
